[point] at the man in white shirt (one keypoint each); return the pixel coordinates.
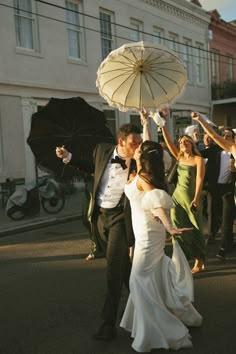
(110, 212)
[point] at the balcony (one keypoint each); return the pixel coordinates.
(223, 90)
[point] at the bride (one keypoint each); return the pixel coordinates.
(161, 289)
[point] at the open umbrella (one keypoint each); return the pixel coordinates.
(140, 75)
(71, 122)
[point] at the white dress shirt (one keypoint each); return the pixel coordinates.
(112, 183)
(225, 173)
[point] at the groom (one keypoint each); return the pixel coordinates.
(110, 211)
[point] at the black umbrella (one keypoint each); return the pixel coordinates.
(71, 122)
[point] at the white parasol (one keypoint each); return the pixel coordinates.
(140, 75)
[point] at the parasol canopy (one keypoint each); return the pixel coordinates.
(71, 122)
(139, 75)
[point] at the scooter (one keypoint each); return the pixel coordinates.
(26, 201)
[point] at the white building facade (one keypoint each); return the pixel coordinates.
(54, 48)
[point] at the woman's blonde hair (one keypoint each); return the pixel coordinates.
(195, 150)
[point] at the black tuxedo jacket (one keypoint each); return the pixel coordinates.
(213, 154)
(102, 154)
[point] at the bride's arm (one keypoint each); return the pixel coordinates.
(164, 217)
(162, 214)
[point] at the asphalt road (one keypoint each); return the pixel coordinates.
(50, 297)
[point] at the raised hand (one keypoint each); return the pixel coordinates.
(195, 116)
(61, 152)
(143, 116)
(145, 123)
(164, 113)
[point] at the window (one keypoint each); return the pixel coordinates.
(136, 28)
(110, 116)
(74, 30)
(172, 43)
(135, 119)
(229, 68)
(187, 57)
(215, 67)
(210, 34)
(26, 25)
(106, 27)
(199, 63)
(158, 35)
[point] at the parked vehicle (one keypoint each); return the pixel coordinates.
(26, 201)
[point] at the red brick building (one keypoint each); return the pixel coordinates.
(223, 69)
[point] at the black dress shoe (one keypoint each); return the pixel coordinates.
(211, 240)
(221, 254)
(106, 332)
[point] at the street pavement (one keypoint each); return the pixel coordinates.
(51, 296)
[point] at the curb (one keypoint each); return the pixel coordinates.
(39, 224)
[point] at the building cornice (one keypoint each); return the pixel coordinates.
(224, 28)
(222, 32)
(183, 10)
(8, 85)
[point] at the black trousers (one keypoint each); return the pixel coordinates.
(223, 212)
(111, 227)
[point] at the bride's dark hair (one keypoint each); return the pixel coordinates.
(152, 165)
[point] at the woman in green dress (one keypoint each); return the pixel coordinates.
(187, 209)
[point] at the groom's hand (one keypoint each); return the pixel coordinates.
(61, 152)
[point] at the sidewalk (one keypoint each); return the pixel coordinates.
(71, 211)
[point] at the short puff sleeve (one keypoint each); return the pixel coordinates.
(157, 198)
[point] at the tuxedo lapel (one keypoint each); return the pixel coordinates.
(102, 157)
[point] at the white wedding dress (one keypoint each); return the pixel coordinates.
(161, 289)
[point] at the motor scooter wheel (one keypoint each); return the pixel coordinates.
(53, 205)
(16, 213)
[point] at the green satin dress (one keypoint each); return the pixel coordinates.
(191, 242)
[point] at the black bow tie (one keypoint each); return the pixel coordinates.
(117, 159)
